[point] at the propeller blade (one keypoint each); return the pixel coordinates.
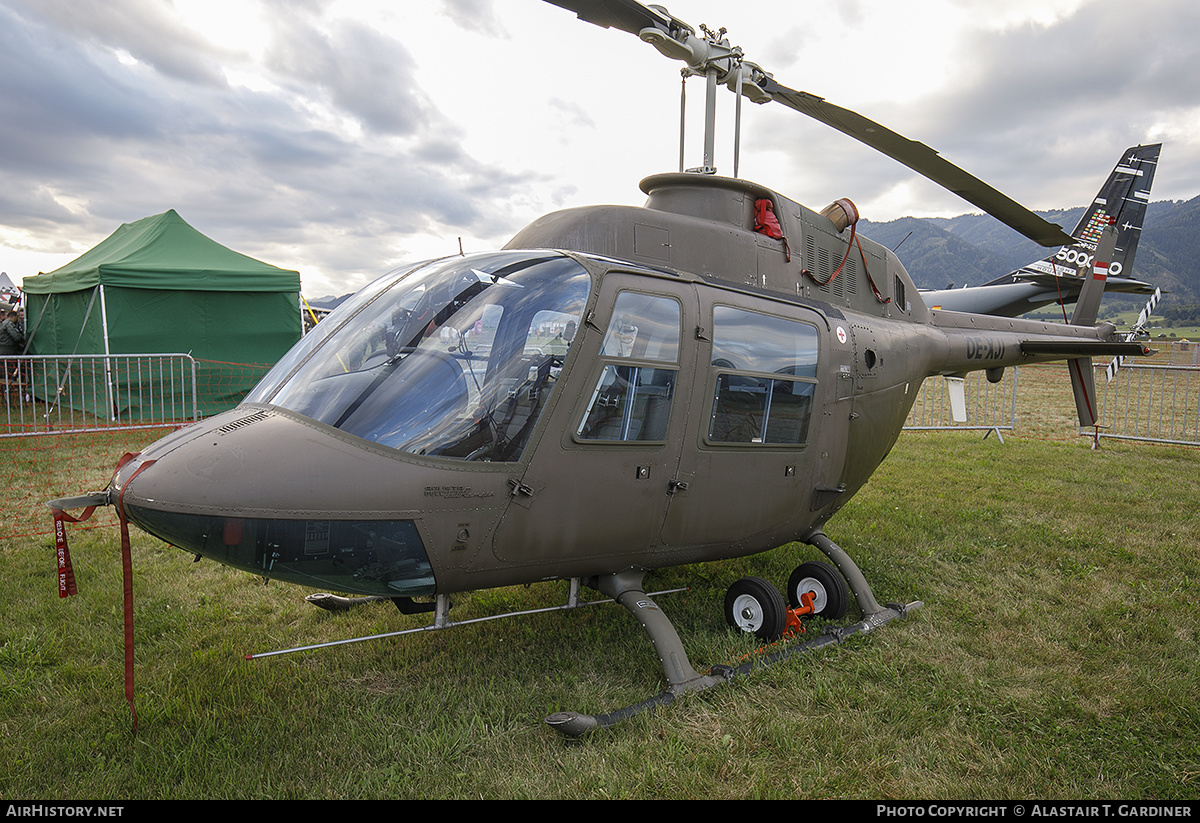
(923, 160)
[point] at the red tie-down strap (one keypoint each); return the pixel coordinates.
(66, 575)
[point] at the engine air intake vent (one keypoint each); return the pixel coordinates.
(243, 422)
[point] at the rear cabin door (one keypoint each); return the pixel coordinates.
(747, 468)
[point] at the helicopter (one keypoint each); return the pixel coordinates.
(1121, 202)
(618, 389)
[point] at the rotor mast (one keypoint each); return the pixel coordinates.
(708, 55)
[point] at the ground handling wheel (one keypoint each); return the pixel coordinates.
(755, 606)
(824, 584)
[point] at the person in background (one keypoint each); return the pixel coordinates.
(12, 337)
(12, 343)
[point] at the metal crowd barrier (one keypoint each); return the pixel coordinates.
(45, 394)
(990, 407)
(1155, 403)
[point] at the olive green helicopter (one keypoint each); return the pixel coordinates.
(617, 390)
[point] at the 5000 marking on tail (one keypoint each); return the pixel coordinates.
(1078, 257)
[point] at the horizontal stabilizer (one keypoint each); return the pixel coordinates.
(1070, 283)
(1085, 348)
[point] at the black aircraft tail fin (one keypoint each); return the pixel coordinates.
(1057, 278)
(1121, 202)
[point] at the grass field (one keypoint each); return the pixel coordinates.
(1057, 656)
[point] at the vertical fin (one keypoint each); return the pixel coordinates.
(956, 388)
(1083, 385)
(1088, 304)
(1121, 202)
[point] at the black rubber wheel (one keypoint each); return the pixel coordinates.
(831, 595)
(754, 606)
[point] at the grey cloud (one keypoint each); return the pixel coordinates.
(146, 29)
(362, 72)
(1040, 112)
(1098, 76)
(87, 143)
(475, 15)
(53, 90)
(573, 112)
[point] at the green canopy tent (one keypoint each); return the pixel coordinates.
(158, 285)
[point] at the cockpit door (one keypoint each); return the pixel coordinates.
(597, 486)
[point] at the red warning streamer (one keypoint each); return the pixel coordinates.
(66, 575)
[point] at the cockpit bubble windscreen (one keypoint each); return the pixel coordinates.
(454, 358)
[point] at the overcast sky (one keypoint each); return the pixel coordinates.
(342, 138)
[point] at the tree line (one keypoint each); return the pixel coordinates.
(1185, 314)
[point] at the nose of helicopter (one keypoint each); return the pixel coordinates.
(277, 495)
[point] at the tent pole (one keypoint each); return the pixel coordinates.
(112, 408)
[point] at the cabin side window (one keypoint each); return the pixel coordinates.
(640, 356)
(765, 376)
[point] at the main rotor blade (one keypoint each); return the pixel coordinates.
(633, 17)
(923, 160)
(626, 15)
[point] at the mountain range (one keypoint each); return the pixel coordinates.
(972, 249)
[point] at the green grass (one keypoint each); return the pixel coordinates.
(1057, 656)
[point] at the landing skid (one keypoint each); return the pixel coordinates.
(626, 589)
(441, 615)
(574, 724)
